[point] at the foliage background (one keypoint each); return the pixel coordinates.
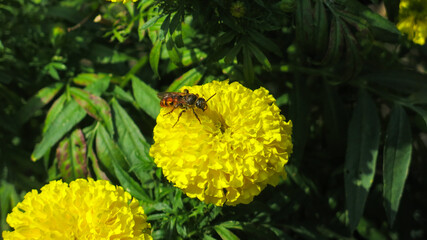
(78, 84)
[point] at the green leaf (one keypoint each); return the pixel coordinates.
(397, 158)
(151, 22)
(86, 79)
(265, 42)
(174, 55)
(333, 52)
(131, 142)
(108, 151)
(224, 233)
(406, 82)
(189, 78)
(304, 23)
(321, 33)
(71, 156)
(146, 97)
(121, 94)
(8, 200)
(66, 120)
(231, 55)
(361, 156)
(95, 106)
(362, 16)
(129, 184)
(259, 56)
(43, 96)
(155, 57)
(164, 28)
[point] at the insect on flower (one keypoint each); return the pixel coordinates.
(184, 100)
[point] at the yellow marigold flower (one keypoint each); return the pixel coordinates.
(237, 9)
(85, 209)
(413, 20)
(241, 145)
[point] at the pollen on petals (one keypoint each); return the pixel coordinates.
(241, 145)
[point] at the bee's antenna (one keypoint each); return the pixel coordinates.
(210, 97)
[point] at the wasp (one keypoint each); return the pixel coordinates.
(184, 100)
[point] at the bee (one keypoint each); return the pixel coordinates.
(184, 100)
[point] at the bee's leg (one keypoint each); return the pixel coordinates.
(179, 117)
(174, 107)
(195, 114)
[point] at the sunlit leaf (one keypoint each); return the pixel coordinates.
(132, 143)
(146, 97)
(189, 78)
(361, 156)
(70, 115)
(397, 157)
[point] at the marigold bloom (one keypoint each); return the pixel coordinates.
(241, 145)
(413, 20)
(86, 209)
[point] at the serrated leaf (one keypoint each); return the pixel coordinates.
(71, 156)
(85, 79)
(224, 39)
(189, 78)
(224, 233)
(164, 28)
(397, 158)
(265, 42)
(129, 184)
(151, 22)
(357, 13)
(361, 156)
(146, 97)
(42, 97)
(121, 94)
(176, 20)
(54, 111)
(71, 114)
(259, 55)
(174, 54)
(108, 151)
(231, 55)
(95, 106)
(132, 143)
(155, 57)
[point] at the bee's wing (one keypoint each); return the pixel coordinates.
(162, 95)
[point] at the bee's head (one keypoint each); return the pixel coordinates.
(201, 103)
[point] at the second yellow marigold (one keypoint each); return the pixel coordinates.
(413, 20)
(241, 145)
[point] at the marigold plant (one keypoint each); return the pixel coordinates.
(413, 20)
(240, 146)
(84, 209)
